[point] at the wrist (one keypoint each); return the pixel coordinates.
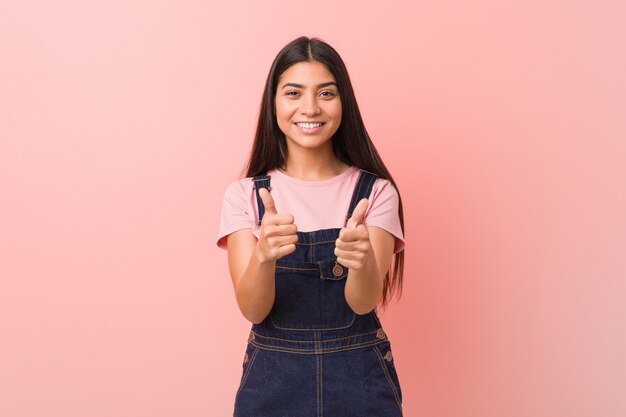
(260, 256)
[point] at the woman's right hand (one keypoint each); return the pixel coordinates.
(278, 232)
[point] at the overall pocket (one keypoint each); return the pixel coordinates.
(311, 298)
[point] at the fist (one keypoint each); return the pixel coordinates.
(352, 247)
(278, 232)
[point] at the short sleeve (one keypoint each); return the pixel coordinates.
(235, 214)
(384, 211)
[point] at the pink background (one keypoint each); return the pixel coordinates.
(122, 122)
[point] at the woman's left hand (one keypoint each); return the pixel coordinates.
(353, 246)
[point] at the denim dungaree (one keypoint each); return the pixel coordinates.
(312, 356)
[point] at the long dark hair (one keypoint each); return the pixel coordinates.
(351, 143)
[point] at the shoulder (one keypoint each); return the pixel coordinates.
(239, 188)
(384, 188)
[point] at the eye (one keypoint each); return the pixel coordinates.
(288, 93)
(330, 93)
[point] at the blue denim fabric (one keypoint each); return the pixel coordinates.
(312, 356)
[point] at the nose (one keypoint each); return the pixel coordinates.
(310, 106)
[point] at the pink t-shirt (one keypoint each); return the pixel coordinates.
(314, 205)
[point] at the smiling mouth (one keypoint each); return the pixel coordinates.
(307, 125)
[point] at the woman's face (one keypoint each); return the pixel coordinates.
(307, 93)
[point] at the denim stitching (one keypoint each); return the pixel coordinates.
(247, 372)
(355, 197)
(316, 351)
(312, 341)
(393, 387)
(299, 269)
(316, 342)
(367, 179)
(263, 183)
(369, 172)
(357, 194)
(322, 276)
(315, 243)
(312, 328)
(319, 384)
(369, 182)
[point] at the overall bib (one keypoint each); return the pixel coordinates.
(312, 356)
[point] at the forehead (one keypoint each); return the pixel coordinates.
(303, 71)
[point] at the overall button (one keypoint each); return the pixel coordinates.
(337, 270)
(388, 356)
(251, 337)
(380, 334)
(245, 357)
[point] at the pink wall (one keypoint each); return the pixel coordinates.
(122, 122)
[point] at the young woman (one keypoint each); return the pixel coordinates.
(311, 232)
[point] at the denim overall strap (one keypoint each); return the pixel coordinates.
(261, 181)
(362, 189)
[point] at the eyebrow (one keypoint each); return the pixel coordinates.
(318, 86)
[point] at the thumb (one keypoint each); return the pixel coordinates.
(268, 201)
(358, 214)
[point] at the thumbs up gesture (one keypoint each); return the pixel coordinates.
(278, 232)
(353, 245)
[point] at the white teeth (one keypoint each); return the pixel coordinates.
(309, 125)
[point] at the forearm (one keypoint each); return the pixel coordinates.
(256, 290)
(364, 286)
